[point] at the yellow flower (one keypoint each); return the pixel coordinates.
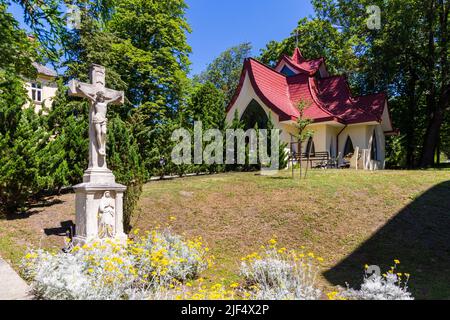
(234, 285)
(172, 218)
(30, 256)
(366, 266)
(332, 295)
(396, 261)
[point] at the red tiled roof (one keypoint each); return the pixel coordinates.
(328, 99)
(335, 94)
(300, 64)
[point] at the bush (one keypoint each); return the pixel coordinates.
(106, 270)
(30, 160)
(279, 274)
(389, 286)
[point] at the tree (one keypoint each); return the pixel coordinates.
(46, 21)
(224, 72)
(152, 59)
(207, 105)
(31, 160)
(143, 46)
(16, 51)
(303, 133)
(316, 38)
(282, 154)
(408, 57)
(69, 121)
(154, 51)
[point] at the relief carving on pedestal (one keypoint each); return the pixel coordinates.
(106, 216)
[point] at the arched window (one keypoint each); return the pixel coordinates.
(374, 148)
(310, 147)
(287, 71)
(254, 114)
(348, 149)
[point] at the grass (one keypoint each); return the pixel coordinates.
(348, 217)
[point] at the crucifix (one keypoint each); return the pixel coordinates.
(100, 97)
(99, 199)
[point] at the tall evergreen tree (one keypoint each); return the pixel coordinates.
(224, 72)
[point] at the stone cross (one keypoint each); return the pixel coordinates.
(99, 199)
(100, 97)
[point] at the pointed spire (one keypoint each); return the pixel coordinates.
(297, 56)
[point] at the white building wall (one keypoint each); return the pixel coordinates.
(49, 90)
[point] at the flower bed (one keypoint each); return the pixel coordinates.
(162, 265)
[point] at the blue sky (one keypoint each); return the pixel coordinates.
(218, 25)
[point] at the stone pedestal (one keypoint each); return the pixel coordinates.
(90, 196)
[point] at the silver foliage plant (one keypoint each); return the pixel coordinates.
(281, 276)
(105, 270)
(376, 287)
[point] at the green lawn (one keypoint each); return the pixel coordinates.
(348, 217)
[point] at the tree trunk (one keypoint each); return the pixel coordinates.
(300, 159)
(307, 163)
(410, 128)
(431, 139)
(437, 110)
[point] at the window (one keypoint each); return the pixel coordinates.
(287, 72)
(310, 147)
(348, 149)
(374, 148)
(36, 92)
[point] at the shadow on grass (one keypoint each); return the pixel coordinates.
(33, 208)
(419, 236)
(66, 229)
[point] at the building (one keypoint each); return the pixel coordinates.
(344, 126)
(42, 90)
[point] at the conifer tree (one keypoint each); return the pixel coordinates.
(125, 162)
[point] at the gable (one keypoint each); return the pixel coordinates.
(288, 71)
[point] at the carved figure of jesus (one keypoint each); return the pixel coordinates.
(100, 97)
(100, 122)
